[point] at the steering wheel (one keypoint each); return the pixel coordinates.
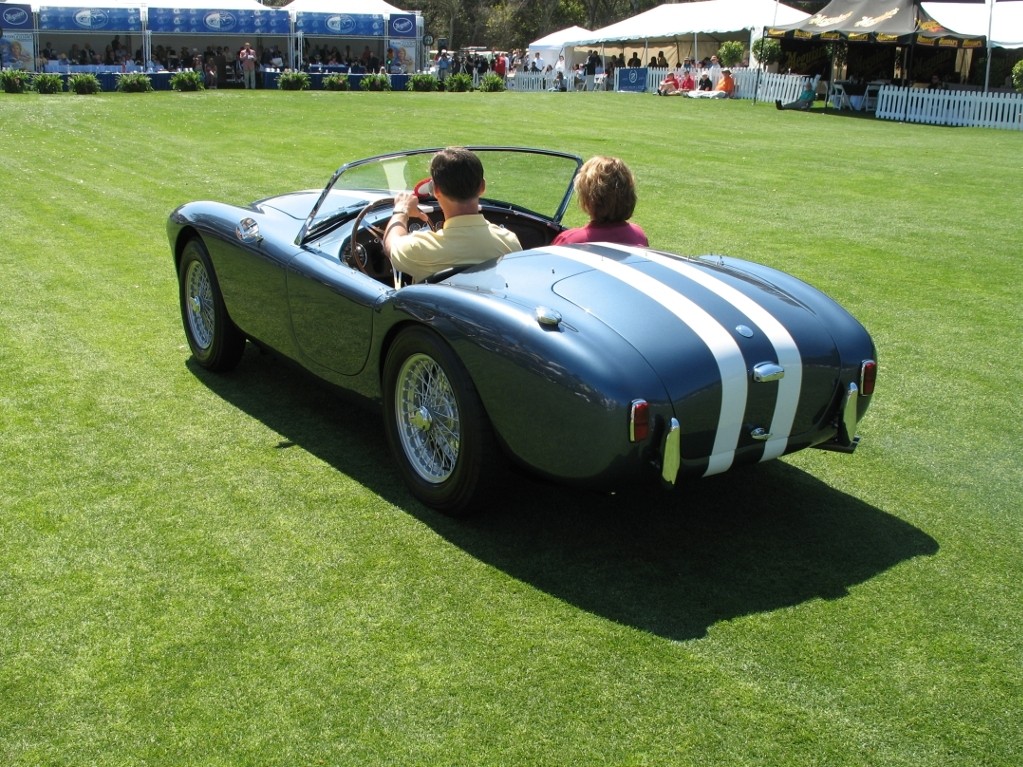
(356, 255)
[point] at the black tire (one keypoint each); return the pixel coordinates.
(215, 341)
(436, 426)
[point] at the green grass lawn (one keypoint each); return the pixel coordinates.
(227, 570)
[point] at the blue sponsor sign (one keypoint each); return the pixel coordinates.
(214, 21)
(89, 19)
(402, 25)
(16, 16)
(633, 79)
(343, 24)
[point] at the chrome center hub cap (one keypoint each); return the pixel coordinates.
(421, 419)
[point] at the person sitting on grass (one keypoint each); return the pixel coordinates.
(677, 83)
(803, 102)
(671, 84)
(724, 89)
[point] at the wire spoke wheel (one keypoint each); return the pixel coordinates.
(428, 418)
(436, 426)
(216, 342)
(199, 304)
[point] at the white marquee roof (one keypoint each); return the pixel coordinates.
(341, 6)
(673, 20)
(557, 39)
(972, 19)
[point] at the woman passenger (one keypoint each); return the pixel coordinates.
(607, 194)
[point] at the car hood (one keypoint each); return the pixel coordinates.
(297, 205)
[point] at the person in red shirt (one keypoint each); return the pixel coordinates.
(672, 83)
(607, 194)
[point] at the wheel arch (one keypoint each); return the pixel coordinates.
(181, 238)
(524, 374)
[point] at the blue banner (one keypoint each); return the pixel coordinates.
(88, 19)
(212, 21)
(343, 24)
(16, 16)
(633, 79)
(402, 25)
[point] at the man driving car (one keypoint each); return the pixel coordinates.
(466, 236)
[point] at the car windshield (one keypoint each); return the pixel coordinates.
(535, 180)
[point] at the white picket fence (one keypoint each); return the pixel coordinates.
(749, 83)
(918, 105)
(951, 107)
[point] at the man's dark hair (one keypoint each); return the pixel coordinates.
(457, 172)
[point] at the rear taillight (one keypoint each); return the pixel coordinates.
(868, 373)
(639, 420)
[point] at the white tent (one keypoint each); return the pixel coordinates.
(341, 6)
(672, 23)
(1006, 20)
(553, 45)
(558, 39)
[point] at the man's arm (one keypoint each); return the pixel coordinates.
(406, 205)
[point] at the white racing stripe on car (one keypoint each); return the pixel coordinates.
(784, 346)
(731, 363)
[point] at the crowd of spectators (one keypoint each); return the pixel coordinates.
(219, 64)
(367, 60)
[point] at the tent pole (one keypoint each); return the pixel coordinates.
(760, 64)
(834, 75)
(987, 65)
(908, 79)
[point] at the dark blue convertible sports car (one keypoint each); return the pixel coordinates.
(594, 364)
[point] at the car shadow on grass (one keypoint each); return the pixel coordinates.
(671, 563)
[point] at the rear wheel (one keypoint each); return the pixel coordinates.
(436, 426)
(214, 340)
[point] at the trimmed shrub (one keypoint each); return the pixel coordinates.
(1017, 75)
(15, 80)
(293, 81)
(375, 82)
(767, 50)
(187, 81)
(730, 53)
(423, 82)
(459, 83)
(83, 83)
(492, 83)
(134, 82)
(48, 82)
(336, 82)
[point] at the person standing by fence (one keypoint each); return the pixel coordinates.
(590, 70)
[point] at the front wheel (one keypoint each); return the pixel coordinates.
(436, 426)
(214, 340)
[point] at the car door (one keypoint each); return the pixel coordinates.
(331, 307)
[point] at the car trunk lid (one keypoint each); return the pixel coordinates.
(748, 367)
